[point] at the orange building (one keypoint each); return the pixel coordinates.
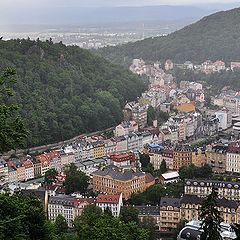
(113, 180)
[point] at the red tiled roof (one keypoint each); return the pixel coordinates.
(78, 201)
(108, 198)
(27, 163)
(46, 157)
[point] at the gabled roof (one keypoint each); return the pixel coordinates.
(167, 201)
(108, 198)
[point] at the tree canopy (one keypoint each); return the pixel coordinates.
(50, 176)
(22, 217)
(192, 171)
(76, 181)
(65, 91)
(12, 129)
(94, 224)
(211, 218)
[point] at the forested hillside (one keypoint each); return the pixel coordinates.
(64, 91)
(214, 37)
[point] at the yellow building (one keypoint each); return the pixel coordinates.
(113, 180)
(98, 149)
(199, 158)
(190, 208)
(169, 213)
(217, 158)
(182, 156)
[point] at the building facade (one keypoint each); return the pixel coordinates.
(182, 156)
(113, 180)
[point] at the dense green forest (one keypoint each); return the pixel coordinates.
(214, 37)
(214, 82)
(64, 91)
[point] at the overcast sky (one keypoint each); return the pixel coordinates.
(74, 11)
(50, 3)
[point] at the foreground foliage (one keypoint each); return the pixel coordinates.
(12, 129)
(211, 218)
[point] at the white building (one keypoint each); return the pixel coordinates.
(193, 231)
(61, 205)
(111, 201)
(125, 128)
(169, 177)
(12, 175)
(233, 162)
(156, 159)
(29, 170)
(225, 118)
(3, 172)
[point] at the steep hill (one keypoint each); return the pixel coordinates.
(65, 91)
(214, 37)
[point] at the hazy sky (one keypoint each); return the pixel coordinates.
(44, 3)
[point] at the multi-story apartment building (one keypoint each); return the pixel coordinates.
(169, 213)
(3, 171)
(190, 206)
(65, 159)
(199, 158)
(121, 144)
(29, 170)
(113, 180)
(98, 149)
(233, 160)
(17, 164)
(123, 159)
(136, 112)
(216, 158)
(202, 188)
(12, 175)
(139, 115)
(182, 156)
(125, 128)
(149, 212)
(37, 167)
(167, 155)
(61, 205)
(134, 141)
(110, 146)
(112, 201)
(156, 159)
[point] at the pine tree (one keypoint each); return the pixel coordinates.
(211, 218)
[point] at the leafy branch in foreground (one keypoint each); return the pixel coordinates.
(12, 128)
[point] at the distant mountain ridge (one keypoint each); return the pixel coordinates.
(213, 37)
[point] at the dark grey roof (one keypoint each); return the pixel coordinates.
(212, 183)
(167, 201)
(39, 193)
(183, 148)
(189, 233)
(117, 173)
(62, 200)
(148, 210)
(223, 202)
(88, 162)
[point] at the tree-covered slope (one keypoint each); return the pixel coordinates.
(214, 37)
(65, 91)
